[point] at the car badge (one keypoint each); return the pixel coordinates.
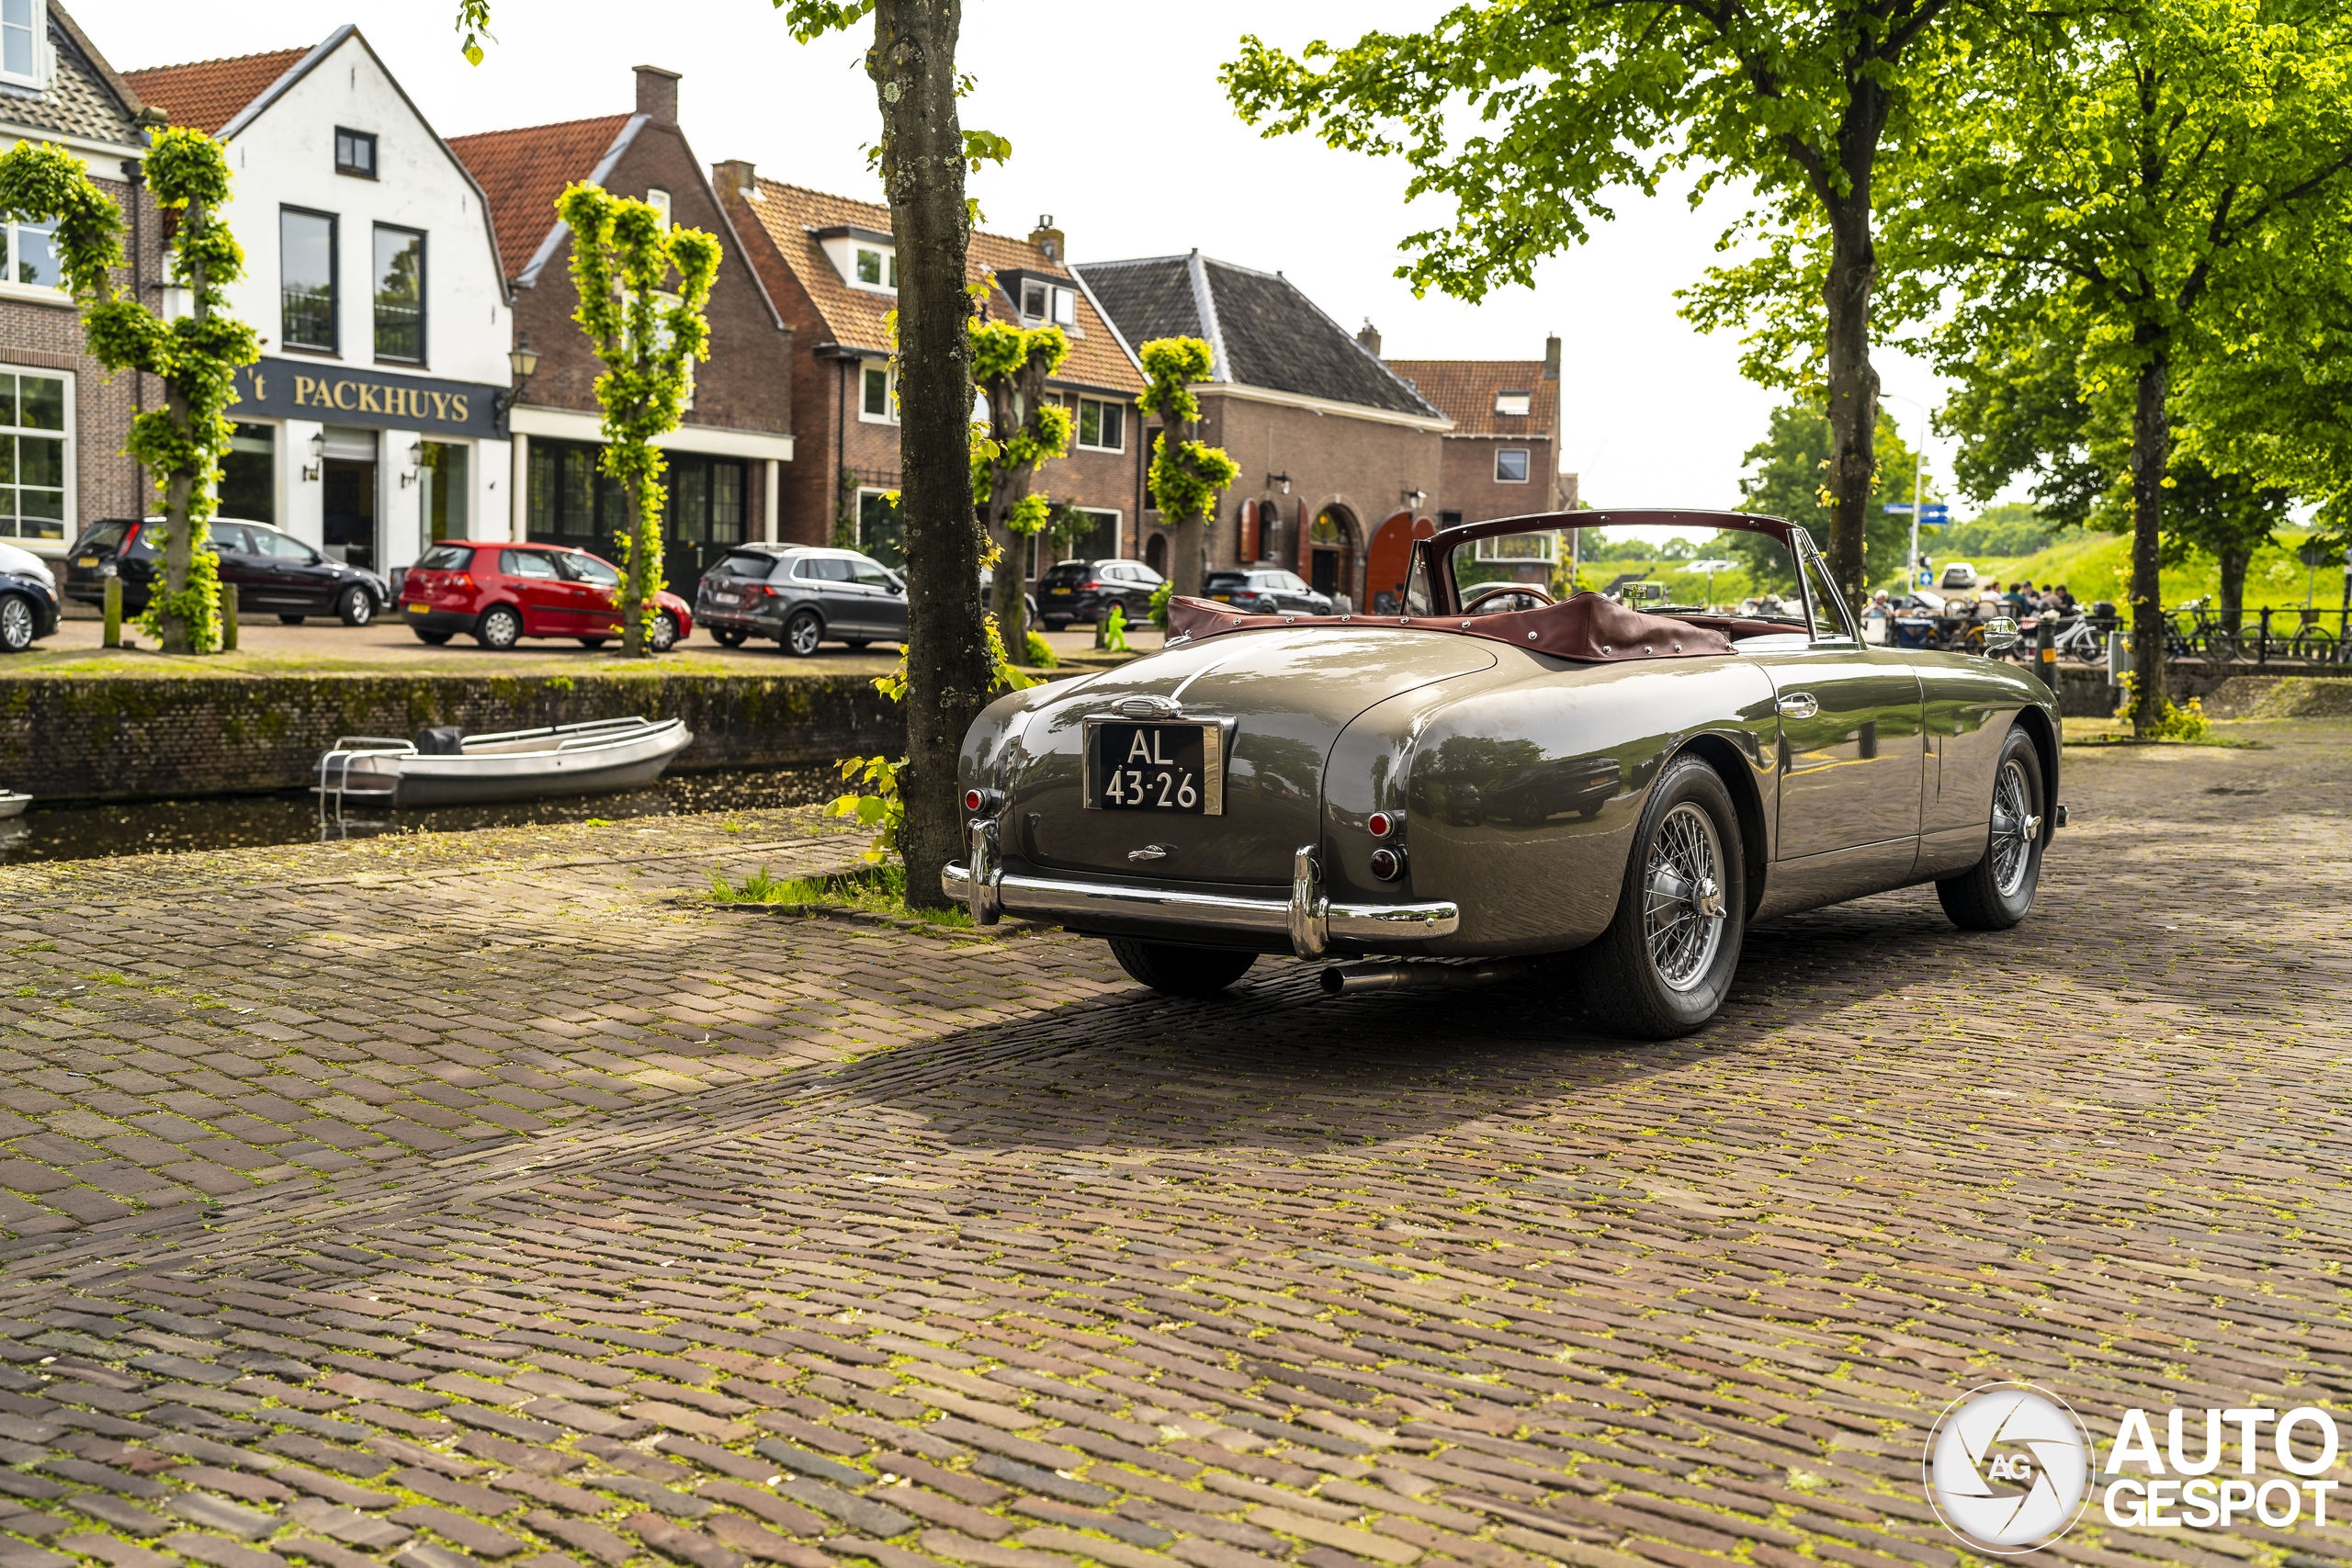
(1147, 707)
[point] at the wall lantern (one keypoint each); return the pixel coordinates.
(318, 456)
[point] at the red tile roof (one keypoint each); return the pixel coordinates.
(1465, 389)
(858, 317)
(522, 173)
(208, 94)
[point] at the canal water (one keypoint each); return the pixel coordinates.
(228, 822)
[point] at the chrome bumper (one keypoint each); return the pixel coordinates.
(1308, 920)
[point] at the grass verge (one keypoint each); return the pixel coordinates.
(880, 890)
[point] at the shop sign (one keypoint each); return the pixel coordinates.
(334, 394)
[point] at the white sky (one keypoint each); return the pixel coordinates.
(1117, 123)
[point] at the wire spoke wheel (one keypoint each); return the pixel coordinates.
(2015, 824)
(1682, 914)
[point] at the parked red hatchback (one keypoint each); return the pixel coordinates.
(500, 594)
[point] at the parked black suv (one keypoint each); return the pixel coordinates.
(274, 571)
(1085, 591)
(801, 595)
(1265, 592)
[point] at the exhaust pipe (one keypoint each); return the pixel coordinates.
(1425, 976)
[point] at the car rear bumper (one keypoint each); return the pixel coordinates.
(428, 619)
(1305, 922)
(769, 623)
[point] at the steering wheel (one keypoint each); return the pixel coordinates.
(1501, 589)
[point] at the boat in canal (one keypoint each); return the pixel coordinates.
(443, 766)
(12, 803)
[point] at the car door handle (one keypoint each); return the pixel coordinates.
(1799, 705)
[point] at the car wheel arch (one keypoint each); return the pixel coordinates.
(1747, 798)
(2044, 736)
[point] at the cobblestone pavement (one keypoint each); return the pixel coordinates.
(484, 1200)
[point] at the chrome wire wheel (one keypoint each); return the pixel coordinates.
(1682, 914)
(2015, 826)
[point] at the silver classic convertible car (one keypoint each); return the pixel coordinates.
(1492, 776)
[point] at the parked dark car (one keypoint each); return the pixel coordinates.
(1264, 591)
(801, 595)
(275, 573)
(28, 599)
(499, 594)
(988, 594)
(1085, 591)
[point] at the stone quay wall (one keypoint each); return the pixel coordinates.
(116, 738)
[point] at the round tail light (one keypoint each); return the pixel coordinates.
(1382, 824)
(972, 800)
(1387, 864)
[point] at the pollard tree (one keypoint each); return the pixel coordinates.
(2131, 169)
(648, 332)
(196, 356)
(1009, 365)
(1186, 474)
(1792, 99)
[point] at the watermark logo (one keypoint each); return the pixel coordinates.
(2008, 1467)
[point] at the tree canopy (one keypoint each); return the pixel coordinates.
(1788, 469)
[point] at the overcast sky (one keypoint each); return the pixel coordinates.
(1119, 129)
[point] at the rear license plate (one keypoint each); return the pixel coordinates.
(1222, 598)
(88, 561)
(415, 609)
(727, 598)
(1059, 592)
(1172, 768)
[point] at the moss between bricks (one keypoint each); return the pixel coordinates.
(116, 738)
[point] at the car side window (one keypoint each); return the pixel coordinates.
(870, 573)
(830, 569)
(231, 538)
(525, 563)
(1145, 576)
(1827, 620)
(281, 547)
(589, 570)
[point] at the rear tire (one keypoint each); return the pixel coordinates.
(728, 638)
(291, 620)
(1995, 894)
(802, 633)
(500, 628)
(1180, 971)
(435, 639)
(1658, 971)
(355, 606)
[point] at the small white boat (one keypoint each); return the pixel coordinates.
(13, 804)
(445, 767)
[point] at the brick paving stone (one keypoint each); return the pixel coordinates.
(509, 1207)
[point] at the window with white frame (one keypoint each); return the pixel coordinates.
(1518, 404)
(29, 253)
(22, 30)
(1510, 465)
(36, 454)
(1102, 425)
(1048, 303)
(659, 199)
(873, 267)
(878, 401)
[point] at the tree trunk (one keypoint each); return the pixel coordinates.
(633, 579)
(1005, 601)
(179, 548)
(1853, 391)
(2233, 561)
(1184, 556)
(948, 669)
(2150, 440)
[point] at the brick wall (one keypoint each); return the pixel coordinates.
(1469, 485)
(124, 736)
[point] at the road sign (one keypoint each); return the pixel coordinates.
(1934, 512)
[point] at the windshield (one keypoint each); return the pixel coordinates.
(1689, 570)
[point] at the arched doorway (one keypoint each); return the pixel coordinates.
(1332, 551)
(1155, 553)
(1389, 558)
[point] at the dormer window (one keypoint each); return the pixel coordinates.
(1043, 303)
(1519, 403)
(877, 268)
(20, 41)
(865, 258)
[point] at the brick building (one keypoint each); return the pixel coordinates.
(63, 419)
(1340, 458)
(727, 458)
(832, 266)
(1502, 457)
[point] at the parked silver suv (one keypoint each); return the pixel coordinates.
(801, 595)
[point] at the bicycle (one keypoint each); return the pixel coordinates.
(2313, 643)
(2203, 636)
(2077, 640)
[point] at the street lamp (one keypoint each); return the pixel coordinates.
(523, 361)
(318, 456)
(1282, 479)
(1413, 499)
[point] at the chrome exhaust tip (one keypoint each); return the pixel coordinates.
(1429, 975)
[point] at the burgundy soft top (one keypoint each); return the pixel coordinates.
(1583, 626)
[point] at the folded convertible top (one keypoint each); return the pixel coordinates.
(1583, 626)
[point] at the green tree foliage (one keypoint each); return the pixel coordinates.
(642, 286)
(1789, 478)
(1526, 115)
(2130, 169)
(2001, 532)
(1010, 366)
(1186, 474)
(196, 356)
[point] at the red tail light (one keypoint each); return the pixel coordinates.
(460, 580)
(1088, 586)
(128, 539)
(972, 800)
(1382, 824)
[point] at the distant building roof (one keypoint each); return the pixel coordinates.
(858, 318)
(1469, 391)
(85, 98)
(521, 172)
(1262, 329)
(208, 94)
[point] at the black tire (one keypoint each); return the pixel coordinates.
(662, 635)
(500, 628)
(594, 642)
(854, 643)
(291, 620)
(1053, 626)
(1180, 971)
(1995, 894)
(1656, 985)
(17, 626)
(354, 607)
(726, 637)
(435, 638)
(802, 633)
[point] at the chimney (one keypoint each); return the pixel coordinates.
(657, 93)
(1370, 338)
(1552, 358)
(733, 177)
(1050, 239)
